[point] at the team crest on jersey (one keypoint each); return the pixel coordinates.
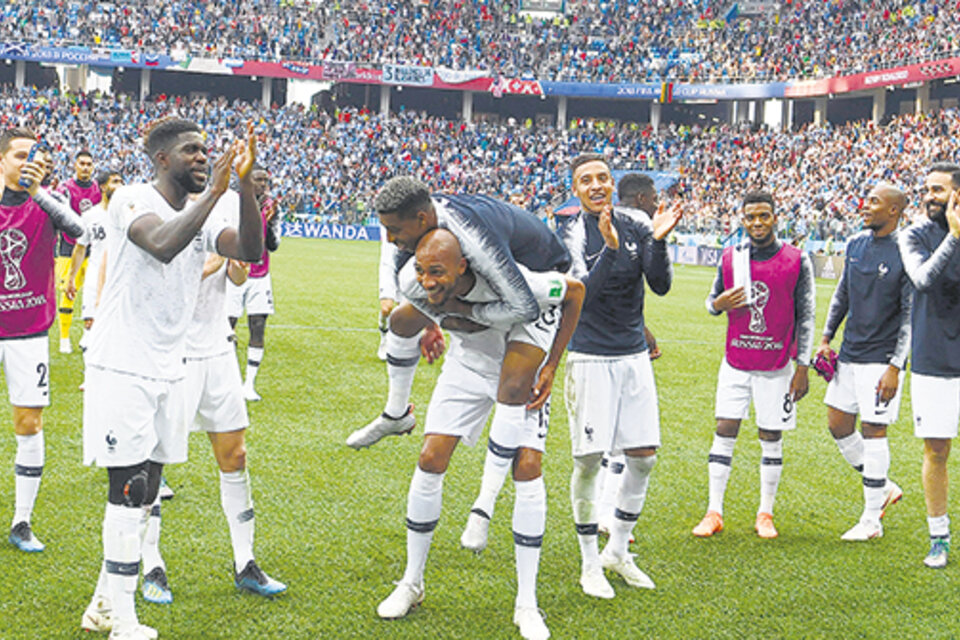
(13, 246)
(84, 205)
(631, 248)
(111, 442)
(760, 293)
(882, 270)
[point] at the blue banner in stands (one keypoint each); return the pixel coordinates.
(330, 231)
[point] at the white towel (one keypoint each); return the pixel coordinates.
(741, 269)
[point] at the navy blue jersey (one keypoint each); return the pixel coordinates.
(875, 294)
(495, 236)
(611, 321)
(932, 261)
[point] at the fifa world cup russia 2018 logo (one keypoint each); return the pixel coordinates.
(760, 293)
(13, 246)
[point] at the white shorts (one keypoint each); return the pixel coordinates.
(853, 390)
(128, 419)
(540, 332)
(936, 406)
(611, 403)
(769, 390)
(462, 401)
(214, 394)
(26, 364)
(255, 295)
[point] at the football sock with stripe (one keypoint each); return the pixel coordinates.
(254, 358)
(403, 355)
(529, 521)
(718, 469)
(121, 552)
(150, 550)
(851, 447)
(876, 464)
(501, 450)
(583, 496)
(630, 499)
(423, 512)
(771, 467)
(237, 506)
(28, 470)
(611, 475)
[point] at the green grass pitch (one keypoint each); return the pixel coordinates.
(330, 519)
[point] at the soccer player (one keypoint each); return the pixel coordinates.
(256, 293)
(610, 392)
(929, 249)
(387, 281)
(875, 295)
(495, 237)
(464, 395)
(638, 196)
(83, 193)
(133, 404)
(29, 221)
(89, 249)
(766, 288)
(215, 404)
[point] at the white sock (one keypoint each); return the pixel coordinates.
(771, 466)
(101, 595)
(630, 499)
(851, 447)
(876, 464)
(423, 512)
(254, 358)
(718, 468)
(611, 475)
(382, 323)
(529, 522)
(238, 508)
(501, 450)
(403, 355)
(150, 549)
(28, 470)
(583, 495)
(121, 553)
(939, 526)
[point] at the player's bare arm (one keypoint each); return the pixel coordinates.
(164, 240)
(800, 383)
(237, 271)
(888, 383)
(569, 316)
(246, 241)
(76, 259)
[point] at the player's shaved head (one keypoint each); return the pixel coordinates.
(440, 244)
(440, 266)
(893, 195)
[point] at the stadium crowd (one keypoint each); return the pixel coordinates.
(619, 41)
(329, 166)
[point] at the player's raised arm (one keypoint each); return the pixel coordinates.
(187, 153)
(62, 216)
(246, 241)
